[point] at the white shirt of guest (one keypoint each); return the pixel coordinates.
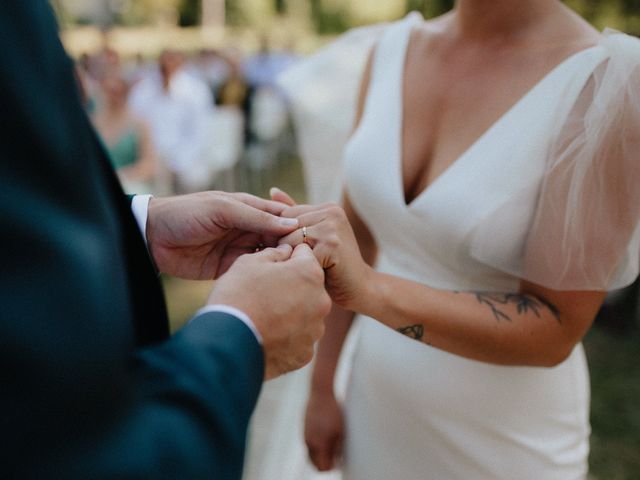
(178, 117)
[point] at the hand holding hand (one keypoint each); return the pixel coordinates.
(199, 236)
(282, 291)
(328, 232)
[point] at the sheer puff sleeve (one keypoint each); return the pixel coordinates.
(584, 229)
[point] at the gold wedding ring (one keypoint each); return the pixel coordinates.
(304, 234)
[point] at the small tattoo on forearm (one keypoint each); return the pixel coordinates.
(412, 331)
(523, 303)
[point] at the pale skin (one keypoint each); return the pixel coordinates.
(215, 235)
(481, 57)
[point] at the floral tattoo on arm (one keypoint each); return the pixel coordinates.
(496, 302)
(415, 332)
(524, 304)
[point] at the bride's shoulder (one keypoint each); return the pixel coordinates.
(428, 32)
(430, 26)
(621, 45)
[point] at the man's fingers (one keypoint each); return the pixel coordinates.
(269, 206)
(278, 195)
(250, 219)
(278, 254)
(302, 251)
(297, 210)
(294, 238)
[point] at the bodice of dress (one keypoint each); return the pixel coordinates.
(430, 239)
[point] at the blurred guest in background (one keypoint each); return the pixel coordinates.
(263, 68)
(126, 137)
(210, 67)
(176, 105)
(234, 91)
(138, 68)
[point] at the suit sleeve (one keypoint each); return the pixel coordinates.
(194, 396)
(185, 415)
(80, 395)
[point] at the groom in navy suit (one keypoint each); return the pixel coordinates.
(91, 383)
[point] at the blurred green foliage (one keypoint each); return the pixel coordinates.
(329, 17)
(189, 12)
(326, 16)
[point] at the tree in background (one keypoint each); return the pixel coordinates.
(429, 8)
(328, 19)
(325, 16)
(189, 13)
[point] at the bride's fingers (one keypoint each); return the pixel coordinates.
(298, 210)
(301, 235)
(323, 252)
(323, 459)
(315, 455)
(310, 229)
(338, 449)
(278, 195)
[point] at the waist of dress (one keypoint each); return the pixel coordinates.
(403, 370)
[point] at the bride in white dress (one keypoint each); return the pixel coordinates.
(492, 180)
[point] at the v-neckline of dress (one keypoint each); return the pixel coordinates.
(458, 160)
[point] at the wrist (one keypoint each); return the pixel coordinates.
(322, 378)
(322, 386)
(140, 210)
(368, 294)
(151, 209)
(154, 214)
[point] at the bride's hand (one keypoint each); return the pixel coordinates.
(327, 231)
(324, 430)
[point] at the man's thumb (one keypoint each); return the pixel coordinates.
(278, 254)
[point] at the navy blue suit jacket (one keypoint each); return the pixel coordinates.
(91, 384)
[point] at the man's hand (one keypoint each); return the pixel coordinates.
(282, 291)
(199, 236)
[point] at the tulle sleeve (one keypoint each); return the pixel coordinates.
(322, 91)
(584, 232)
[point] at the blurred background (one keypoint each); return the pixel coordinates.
(184, 95)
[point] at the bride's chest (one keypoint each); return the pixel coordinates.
(438, 221)
(443, 115)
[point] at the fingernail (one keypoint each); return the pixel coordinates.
(274, 190)
(284, 246)
(288, 222)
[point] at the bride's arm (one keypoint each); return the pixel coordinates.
(324, 425)
(338, 322)
(533, 326)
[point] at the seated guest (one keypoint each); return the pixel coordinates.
(126, 137)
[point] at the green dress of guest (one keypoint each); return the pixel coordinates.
(126, 150)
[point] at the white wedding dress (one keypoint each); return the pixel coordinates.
(416, 412)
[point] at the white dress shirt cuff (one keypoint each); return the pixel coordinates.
(239, 314)
(140, 209)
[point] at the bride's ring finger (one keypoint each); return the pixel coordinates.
(306, 235)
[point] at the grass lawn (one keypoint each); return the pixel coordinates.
(615, 404)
